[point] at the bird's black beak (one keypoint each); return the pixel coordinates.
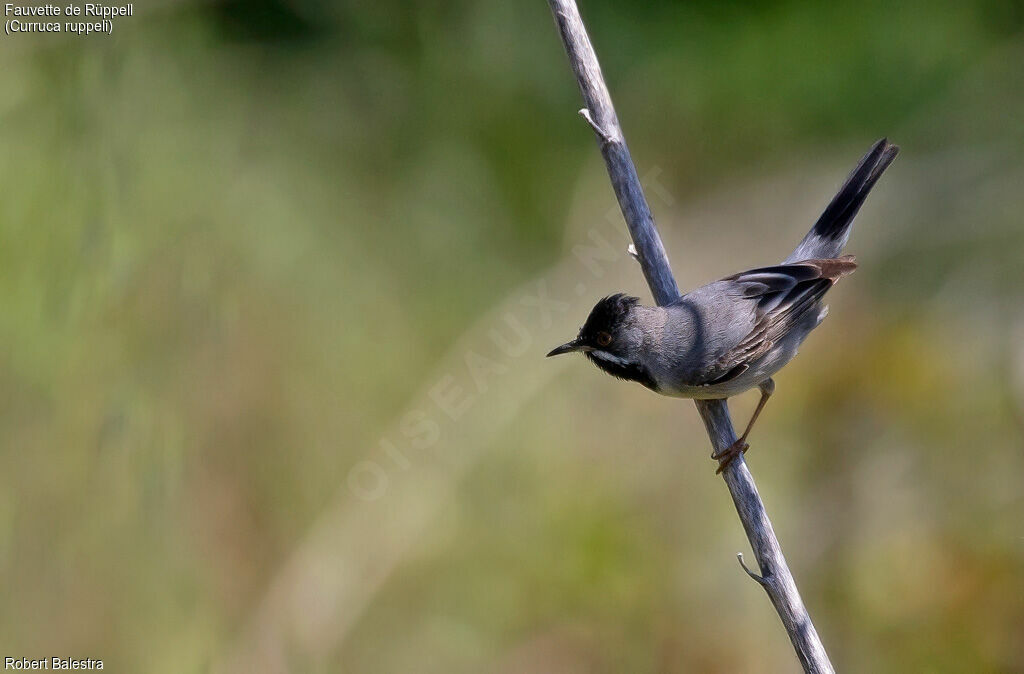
(568, 347)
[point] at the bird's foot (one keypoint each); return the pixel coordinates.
(729, 453)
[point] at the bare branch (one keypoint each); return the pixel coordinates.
(600, 114)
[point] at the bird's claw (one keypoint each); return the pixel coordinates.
(728, 454)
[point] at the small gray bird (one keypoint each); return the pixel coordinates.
(732, 335)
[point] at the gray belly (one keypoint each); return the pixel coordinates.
(759, 370)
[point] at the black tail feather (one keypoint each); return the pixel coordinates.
(829, 234)
(851, 195)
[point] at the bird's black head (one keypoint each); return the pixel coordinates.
(611, 340)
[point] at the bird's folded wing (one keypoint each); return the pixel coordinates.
(782, 295)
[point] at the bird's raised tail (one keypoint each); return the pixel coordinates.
(828, 236)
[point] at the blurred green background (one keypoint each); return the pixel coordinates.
(277, 279)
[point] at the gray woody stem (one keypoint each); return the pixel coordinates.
(775, 577)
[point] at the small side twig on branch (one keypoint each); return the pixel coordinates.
(649, 251)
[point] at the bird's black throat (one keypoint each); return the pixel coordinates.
(628, 371)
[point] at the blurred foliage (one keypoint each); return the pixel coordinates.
(238, 239)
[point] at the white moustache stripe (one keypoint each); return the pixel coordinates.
(609, 358)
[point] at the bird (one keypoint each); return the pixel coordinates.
(734, 334)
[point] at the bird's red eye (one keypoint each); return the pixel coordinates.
(603, 339)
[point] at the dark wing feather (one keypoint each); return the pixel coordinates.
(784, 295)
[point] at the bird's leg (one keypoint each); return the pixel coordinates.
(740, 446)
(767, 389)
